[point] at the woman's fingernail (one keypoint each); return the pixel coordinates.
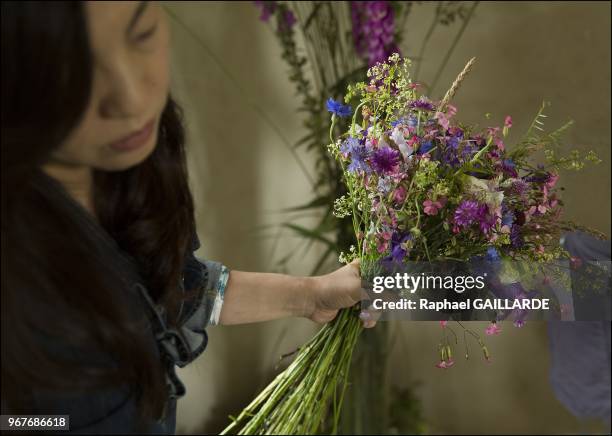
(364, 316)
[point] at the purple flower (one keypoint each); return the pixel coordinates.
(509, 168)
(467, 212)
(455, 152)
(400, 245)
(537, 179)
(338, 108)
(267, 9)
(449, 157)
(373, 30)
(385, 160)
(515, 236)
(453, 142)
(289, 20)
(519, 323)
(468, 151)
(422, 104)
(486, 221)
(397, 251)
(519, 188)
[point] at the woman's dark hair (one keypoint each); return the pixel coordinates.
(53, 286)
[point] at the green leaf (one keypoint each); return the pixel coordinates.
(313, 204)
(308, 233)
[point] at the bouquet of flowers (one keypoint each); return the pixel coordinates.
(421, 187)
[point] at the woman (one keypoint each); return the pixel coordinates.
(102, 295)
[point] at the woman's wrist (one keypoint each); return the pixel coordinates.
(305, 304)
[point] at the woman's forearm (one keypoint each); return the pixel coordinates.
(254, 297)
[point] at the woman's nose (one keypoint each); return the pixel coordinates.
(123, 95)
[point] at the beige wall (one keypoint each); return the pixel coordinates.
(242, 174)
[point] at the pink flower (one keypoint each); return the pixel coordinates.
(508, 122)
(552, 180)
(500, 144)
(431, 207)
(493, 329)
(382, 246)
(443, 323)
(399, 195)
(493, 131)
(442, 120)
(383, 242)
(449, 363)
(441, 364)
(450, 110)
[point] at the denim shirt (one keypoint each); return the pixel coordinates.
(114, 410)
(580, 350)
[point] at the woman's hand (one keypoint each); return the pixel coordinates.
(335, 291)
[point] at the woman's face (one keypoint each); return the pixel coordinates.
(129, 42)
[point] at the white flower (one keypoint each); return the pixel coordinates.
(398, 137)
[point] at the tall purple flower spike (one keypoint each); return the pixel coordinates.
(373, 30)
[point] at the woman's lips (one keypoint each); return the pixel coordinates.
(136, 139)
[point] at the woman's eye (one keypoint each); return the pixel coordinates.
(146, 35)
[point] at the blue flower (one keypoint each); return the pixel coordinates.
(425, 147)
(508, 219)
(492, 254)
(359, 154)
(338, 108)
(410, 121)
(349, 145)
